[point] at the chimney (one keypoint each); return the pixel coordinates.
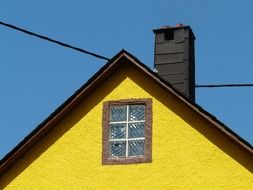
(174, 57)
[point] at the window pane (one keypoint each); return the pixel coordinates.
(136, 130)
(117, 131)
(118, 149)
(136, 148)
(118, 113)
(136, 112)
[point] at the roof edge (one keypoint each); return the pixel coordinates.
(50, 122)
(45, 126)
(221, 126)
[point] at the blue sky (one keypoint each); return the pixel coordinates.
(37, 76)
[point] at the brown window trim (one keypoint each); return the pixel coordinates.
(147, 157)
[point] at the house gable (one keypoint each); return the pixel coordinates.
(186, 146)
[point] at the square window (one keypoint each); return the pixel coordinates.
(136, 113)
(117, 149)
(127, 131)
(117, 131)
(136, 148)
(117, 113)
(136, 130)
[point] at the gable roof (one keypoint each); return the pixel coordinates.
(123, 56)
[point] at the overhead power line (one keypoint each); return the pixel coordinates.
(223, 85)
(53, 41)
(105, 58)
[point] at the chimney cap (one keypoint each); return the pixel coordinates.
(179, 25)
(167, 27)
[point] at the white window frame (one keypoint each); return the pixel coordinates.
(127, 139)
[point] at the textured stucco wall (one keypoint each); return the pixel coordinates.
(187, 152)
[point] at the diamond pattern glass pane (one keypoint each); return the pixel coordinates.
(136, 148)
(136, 112)
(118, 113)
(118, 149)
(136, 130)
(117, 131)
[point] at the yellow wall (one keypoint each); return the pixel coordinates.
(187, 152)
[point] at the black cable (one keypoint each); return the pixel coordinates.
(53, 41)
(105, 58)
(223, 85)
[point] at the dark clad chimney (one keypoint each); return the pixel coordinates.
(174, 57)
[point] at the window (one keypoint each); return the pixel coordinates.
(127, 131)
